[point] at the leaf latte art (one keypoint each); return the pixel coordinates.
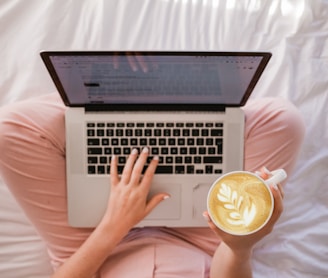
(240, 203)
(239, 214)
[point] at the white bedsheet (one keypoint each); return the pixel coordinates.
(295, 31)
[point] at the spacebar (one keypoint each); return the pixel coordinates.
(164, 169)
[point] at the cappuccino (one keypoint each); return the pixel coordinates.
(241, 202)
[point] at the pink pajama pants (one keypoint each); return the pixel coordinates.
(32, 164)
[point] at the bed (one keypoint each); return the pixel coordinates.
(296, 32)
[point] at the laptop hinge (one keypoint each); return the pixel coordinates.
(154, 107)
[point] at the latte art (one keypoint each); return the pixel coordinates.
(240, 203)
(241, 210)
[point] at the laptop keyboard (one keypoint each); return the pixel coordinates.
(182, 147)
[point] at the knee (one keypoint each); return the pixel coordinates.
(289, 119)
(275, 116)
(9, 128)
(274, 133)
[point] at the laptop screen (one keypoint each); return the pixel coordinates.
(163, 78)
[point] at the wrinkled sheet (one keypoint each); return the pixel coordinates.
(296, 32)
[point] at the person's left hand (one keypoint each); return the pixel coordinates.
(247, 242)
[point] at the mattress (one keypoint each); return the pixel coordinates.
(296, 32)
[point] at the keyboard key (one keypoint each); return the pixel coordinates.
(205, 132)
(211, 151)
(91, 170)
(93, 142)
(103, 160)
(148, 132)
(171, 142)
(124, 142)
(157, 132)
(162, 142)
(91, 132)
(101, 169)
(100, 132)
(94, 150)
(217, 132)
(180, 169)
(152, 141)
(128, 132)
(190, 169)
(92, 159)
(114, 142)
(188, 159)
(208, 169)
(178, 160)
(164, 169)
(105, 142)
(109, 132)
(119, 132)
(164, 150)
(213, 159)
(133, 141)
(195, 132)
(181, 141)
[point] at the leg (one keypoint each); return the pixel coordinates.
(274, 133)
(32, 163)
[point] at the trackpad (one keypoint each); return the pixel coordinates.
(169, 208)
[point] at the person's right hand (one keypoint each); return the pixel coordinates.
(128, 202)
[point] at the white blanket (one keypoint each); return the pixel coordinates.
(296, 32)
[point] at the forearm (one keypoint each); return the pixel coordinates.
(227, 263)
(91, 255)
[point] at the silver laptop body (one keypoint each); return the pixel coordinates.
(184, 106)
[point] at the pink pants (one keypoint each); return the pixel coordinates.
(32, 164)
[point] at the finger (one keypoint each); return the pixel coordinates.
(138, 166)
(265, 173)
(113, 171)
(278, 203)
(155, 200)
(281, 189)
(210, 223)
(128, 168)
(150, 172)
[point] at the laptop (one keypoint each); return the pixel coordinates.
(184, 106)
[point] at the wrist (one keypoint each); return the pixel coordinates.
(239, 254)
(110, 234)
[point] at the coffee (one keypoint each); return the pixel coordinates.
(240, 203)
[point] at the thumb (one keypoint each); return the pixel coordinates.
(155, 200)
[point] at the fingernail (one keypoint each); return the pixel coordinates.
(156, 157)
(275, 187)
(134, 151)
(205, 215)
(145, 150)
(265, 170)
(257, 173)
(166, 197)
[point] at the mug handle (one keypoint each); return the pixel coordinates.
(277, 176)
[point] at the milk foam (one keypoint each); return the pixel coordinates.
(240, 203)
